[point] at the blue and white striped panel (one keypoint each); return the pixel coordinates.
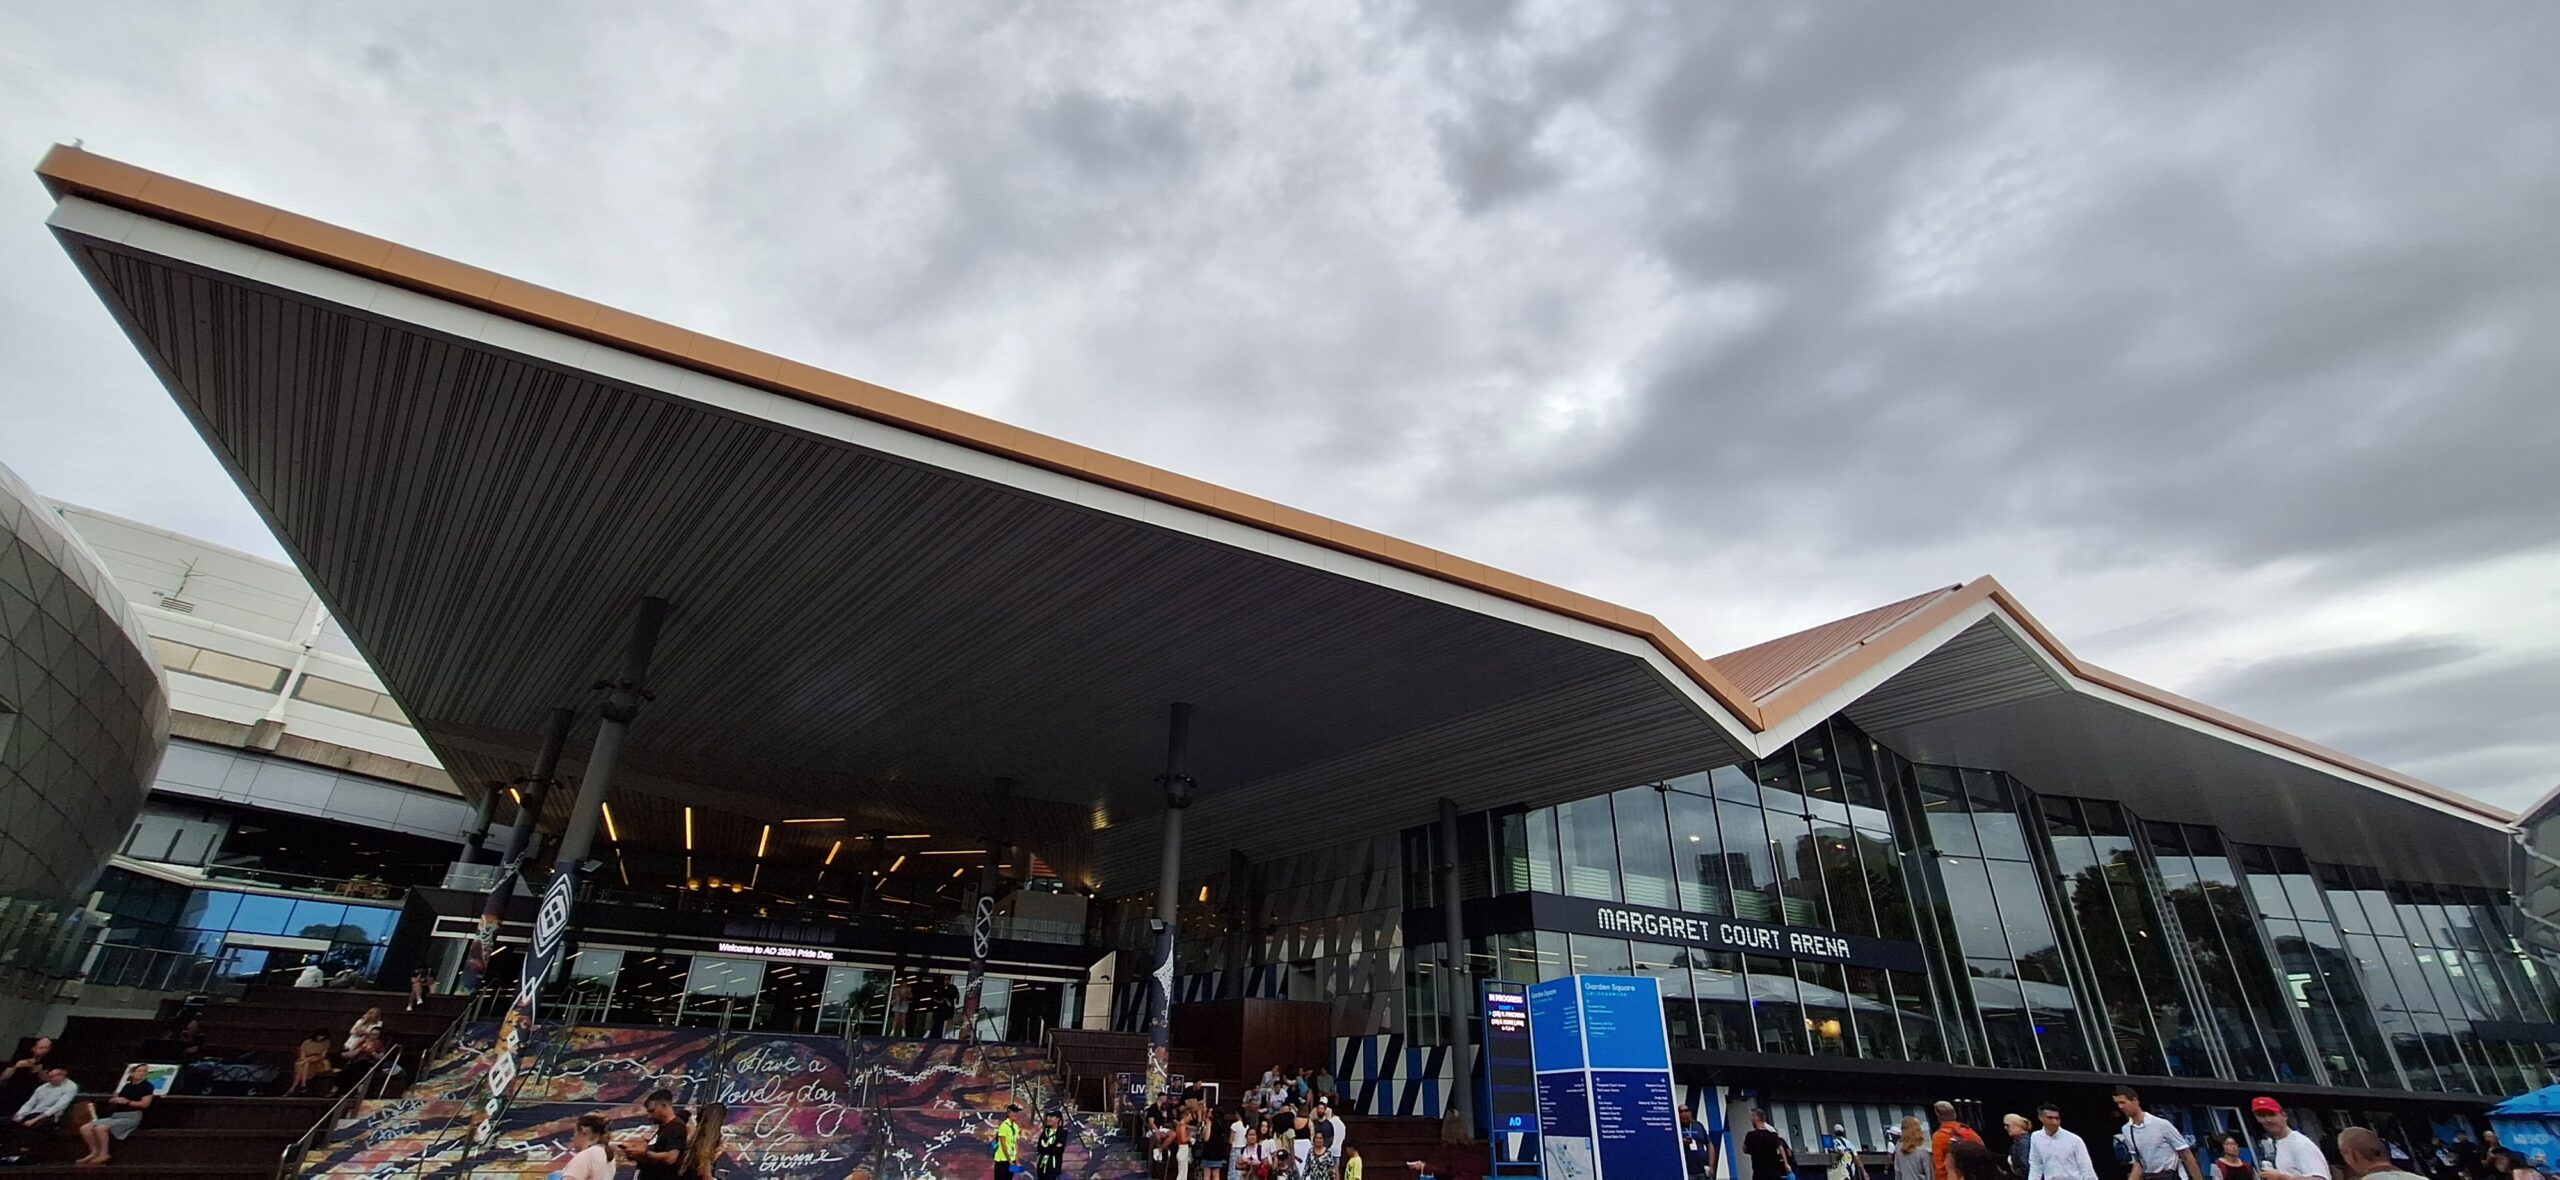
(1380, 1075)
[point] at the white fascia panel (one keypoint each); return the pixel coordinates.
(205, 251)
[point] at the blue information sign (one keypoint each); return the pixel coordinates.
(1605, 1105)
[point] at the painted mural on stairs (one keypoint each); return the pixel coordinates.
(800, 1107)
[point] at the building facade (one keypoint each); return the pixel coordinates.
(296, 805)
(83, 716)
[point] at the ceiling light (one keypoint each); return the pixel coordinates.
(916, 836)
(818, 819)
(516, 795)
(1204, 893)
(902, 859)
(831, 853)
(953, 852)
(763, 840)
(962, 869)
(610, 832)
(688, 829)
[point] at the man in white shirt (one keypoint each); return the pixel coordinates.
(2285, 1154)
(2057, 1154)
(309, 976)
(2156, 1145)
(2367, 1157)
(39, 1114)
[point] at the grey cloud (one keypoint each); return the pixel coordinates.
(1732, 312)
(1490, 156)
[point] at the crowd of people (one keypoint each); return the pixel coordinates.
(2143, 1146)
(41, 1099)
(672, 1147)
(1283, 1127)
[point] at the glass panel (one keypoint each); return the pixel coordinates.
(1775, 1006)
(1824, 994)
(1552, 960)
(1871, 1007)
(1975, 911)
(315, 919)
(1942, 804)
(1844, 877)
(789, 998)
(1747, 865)
(586, 996)
(259, 914)
(210, 909)
(1799, 870)
(1724, 1000)
(1590, 847)
(1644, 847)
(1668, 965)
(2007, 1022)
(1600, 956)
(721, 993)
(1995, 819)
(648, 988)
(1694, 852)
(1819, 772)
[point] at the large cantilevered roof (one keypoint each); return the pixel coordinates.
(883, 603)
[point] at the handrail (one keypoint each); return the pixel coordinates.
(289, 1162)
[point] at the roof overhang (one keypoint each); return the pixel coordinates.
(881, 605)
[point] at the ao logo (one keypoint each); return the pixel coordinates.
(552, 922)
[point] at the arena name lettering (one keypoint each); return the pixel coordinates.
(1581, 916)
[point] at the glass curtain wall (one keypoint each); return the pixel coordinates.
(1804, 838)
(2312, 958)
(2211, 917)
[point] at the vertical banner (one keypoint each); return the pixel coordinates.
(1159, 1010)
(484, 936)
(1508, 1099)
(550, 933)
(982, 929)
(1603, 1065)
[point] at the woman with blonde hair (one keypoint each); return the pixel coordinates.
(702, 1149)
(1911, 1157)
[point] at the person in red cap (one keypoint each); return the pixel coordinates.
(2285, 1154)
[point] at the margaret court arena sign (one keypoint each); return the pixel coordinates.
(1716, 932)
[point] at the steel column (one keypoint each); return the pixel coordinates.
(1177, 796)
(493, 908)
(1453, 971)
(982, 911)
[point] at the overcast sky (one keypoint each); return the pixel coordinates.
(2226, 336)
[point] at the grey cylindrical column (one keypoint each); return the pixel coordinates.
(546, 769)
(1177, 795)
(475, 840)
(1453, 968)
(621, 704)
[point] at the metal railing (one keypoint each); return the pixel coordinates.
(121, 964)
(369, 1084)
(357, 888)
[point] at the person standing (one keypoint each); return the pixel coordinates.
(1336, 1132)
(123, 1115)
(702, 1148)
(1844, 1154)
(590, 1158)
(1697, 1148)
(2228, 1163)
(1009, 1143)
(656, 1157)
(2018, 1127)
(2365, 1155)
(1770, 1157)
(1049, 1152)
(2054, 1153)
(1951, 1133)
(25, 1074)
(2285, 1154)
(2155, 1145)
(1911, 1159)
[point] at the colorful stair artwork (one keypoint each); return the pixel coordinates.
(800, 1107)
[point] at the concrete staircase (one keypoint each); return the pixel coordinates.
(244, 1128)
(800, 1107)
